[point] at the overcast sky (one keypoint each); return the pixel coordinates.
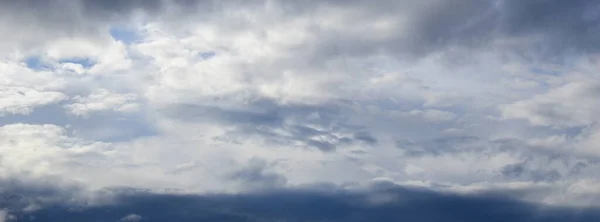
(361, 106)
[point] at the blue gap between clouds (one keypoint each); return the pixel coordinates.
(124, 35)
(38, 63)
(128, 36)
(100, 126)
(207, 55)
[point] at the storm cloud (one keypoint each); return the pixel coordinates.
(381, 203)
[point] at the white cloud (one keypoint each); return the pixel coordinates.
(573, 104)
(42, 149)
(22, 89)
(102, 100)
(23, 100)
(132, 218)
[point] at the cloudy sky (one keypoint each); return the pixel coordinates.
(326, 110)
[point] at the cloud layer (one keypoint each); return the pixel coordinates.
(240, 97)
(382, 202)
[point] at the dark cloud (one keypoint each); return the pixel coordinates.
(539, 28)
(365, 137)
(441, 146)
(120, 6)
(381, 203)
(543, 26)
(89, 8)
(266, 118)
(536, 163)
(552, 16)
(112, 10)
(579, 166)
(522, 171)
(31, 23)
(23, 192)
(486, 148)
(256, 176)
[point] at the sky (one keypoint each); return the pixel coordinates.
(282, 110)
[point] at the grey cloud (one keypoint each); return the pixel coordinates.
(89, 8)
(384, 202)
(365, 137)
(440, 146)
(571, 105)
(120, 6)
(265, 118)
(483, 146)
(256, 175)
(578, 167)
(520, 171)
(515, 170)
(576, 20)
(48, 20)
(111, 10)
(23, 193)
(534, 163)
(433, 25)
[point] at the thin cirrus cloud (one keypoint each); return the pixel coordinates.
(133, 102)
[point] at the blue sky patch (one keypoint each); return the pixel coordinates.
(207, 55)
(37, 63)
(124, 35)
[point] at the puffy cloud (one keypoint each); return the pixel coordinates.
(44, 150)
(101, 100)
(132, 217)
(22, 101)
(22, 89)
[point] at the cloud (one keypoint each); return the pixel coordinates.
(256, 176)
(566, 106)
(382, 202)
(412, 27)
(310, 125)
(518, 170)
(22, 101)
(132, 217)
(434, 115)
(22, 90)
(238, 97)
(101, 100)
